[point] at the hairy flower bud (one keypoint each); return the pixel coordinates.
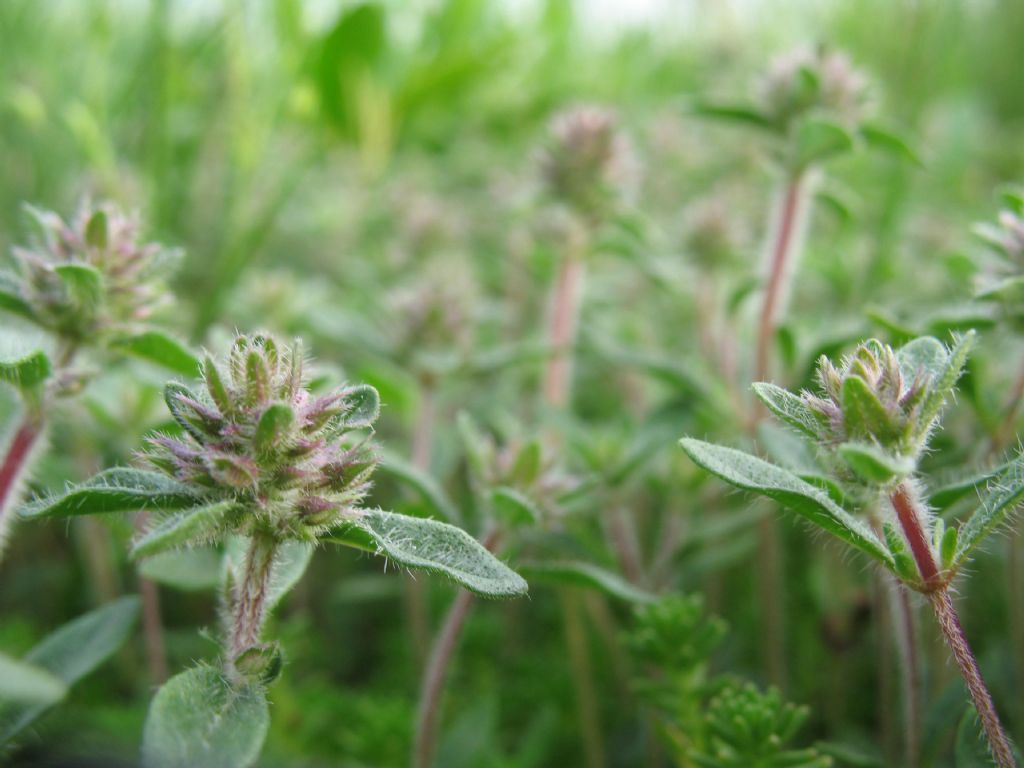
(258, 435)
(586, 163)
(809, 80)
(92, 275)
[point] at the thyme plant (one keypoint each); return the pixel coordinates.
(269, 469)
(870, 423)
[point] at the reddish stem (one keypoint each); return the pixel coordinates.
(250, 601)
(13, 467)
(913, 530)
(562, 330)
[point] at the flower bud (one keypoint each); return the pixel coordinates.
(809, 80)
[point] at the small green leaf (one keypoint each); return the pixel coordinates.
(83, 283)
(198, 718)
(923, 358)
(423, 483)
(72, 652)
(945, 379)
(818, 140)
(789, 407)
(580, 574)
(948, 546)
(163, 350)
(115, 490)
(733, 113)
(874, 465)
(23, 683)
(273, 426)
(1002, 496)
(433, 547)
(365, 407)
(190, 570)
(215, 386)
(513, 507)
(947, 494)
(753, 474)
(1009, 290)
(863, 413)
(96, 230)
(27, 371)
(888, 140)
(195, 525)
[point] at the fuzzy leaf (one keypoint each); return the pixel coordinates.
(431, 546)
(185, 528)
(197, 718)
(923, 357)
(25, 371)
(1002, 496)
(365, 404)
(580, 574)
(789, 407)
(514, 508)
(273, 426)
(423, 483)
(114, 490)
(873, 464)
(23, 683)
(163, 350)
(947, 494)
(72, 652)
(83, 283)
(945, 379)
(863, 413)
(753, 474)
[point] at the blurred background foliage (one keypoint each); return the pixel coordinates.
(365, 175)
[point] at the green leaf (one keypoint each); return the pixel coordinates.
(26, 371)
(191, 526)
(580, 574)
(513, 507)
(115, 490)
(11, 298)
(72, 652)
(431, 546)
(163, 350)
(947, 494)
(733, 113)
(789, 407)
(273, 426)
(190, 570)
(96, 230)
(818, 140)
(888, 140)
(925, 357)
(1002, 496)
(23, 683)
(873, 464)
(365, 407)
(83, 283)
(863, 413)
(945, 379)
(1009, 290)
(197, 718)
(422, 482)
(752, 474)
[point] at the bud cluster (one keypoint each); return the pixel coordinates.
(812, 80)
(1006, 236)
(586, 164)
(90, 275)
(259, 436)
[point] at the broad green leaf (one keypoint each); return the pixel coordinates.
(874, 465)
(431, 546)
(115, 490)
(198, 718)
(26, 371)
(752, 474)
(514, 508)
(191, 570)
(888, 140)
(789, 407)
(925, 357)
(83, 283)
(1002, 496)
(72, 652)
(580, 574)
(365, 404)
(422, 482)
(188, 527)
(163, 350)
(818, 140)
(23, 683)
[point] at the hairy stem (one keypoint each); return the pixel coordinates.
(250, 595)
(12, 470)
(564, 309)
(911, 521)
(436, 671)
(949, 622)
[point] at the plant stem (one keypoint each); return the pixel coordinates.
(437, 669)
(910, 677)
(414, 590)
(13, 469)
(910, 519)
(250, 596)
(949, 622)
(583, 679)
(565, 308)
(152, 625)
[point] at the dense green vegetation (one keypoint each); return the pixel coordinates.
(286, 286)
